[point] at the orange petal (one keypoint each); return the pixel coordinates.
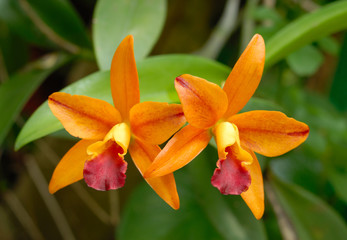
(165, 186)
(254, 196)
(203, 102)
(245, 76)
(83, 116)
(182, 148)
(70, 167)
(154, 122)
(269, 133)
(124, 78)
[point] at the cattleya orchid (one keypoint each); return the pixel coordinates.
(212, 111)
(107, 132)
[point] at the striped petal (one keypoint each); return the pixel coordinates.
(143, 155)
(154, 122)
(269, 133)
(70, 167)
(245, 76)
(83, 116)
(254, 196)
(124, 78)
(182, 148)
(203, 102)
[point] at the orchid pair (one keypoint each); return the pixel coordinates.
(210, 111)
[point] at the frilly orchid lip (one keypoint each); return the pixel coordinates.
(211, 110)
(107, 132)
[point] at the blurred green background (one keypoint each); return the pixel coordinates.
(49, 45)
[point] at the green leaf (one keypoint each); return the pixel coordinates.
(311, 217)
(58, 20)
(329, 45)
(305, 61)
(13, 51)
(157, 75)
(339, 182)
(204, 213)
(115, 19)
(17, 20)
(16, 91)
(339, 85)
(299, 168)
(313, 26)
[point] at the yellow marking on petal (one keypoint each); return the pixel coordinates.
(120, 134)
(227, 135)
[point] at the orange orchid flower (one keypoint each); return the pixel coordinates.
(107, 132)
(211, 111)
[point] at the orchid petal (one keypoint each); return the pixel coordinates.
(124, 78)
(227, 136)
(143, 155)
(154, 122)
(269, 133)
(245, 76)
(231, 177)
(203, 102)
(120, 134)
(182, 148)
(106, 170)
(70, 167)
(254, 196)
(83, 116)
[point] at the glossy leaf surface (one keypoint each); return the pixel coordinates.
(113, 20)
(15, 92)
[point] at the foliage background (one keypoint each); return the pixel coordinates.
(48, 45)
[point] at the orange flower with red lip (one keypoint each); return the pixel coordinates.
(211, 111)
(107, 132)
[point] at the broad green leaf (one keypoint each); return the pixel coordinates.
(311, 217)
(58, 20)
(313, 26)
(204, 213)
(115, 19)
(305, 61)
(16, 91)
(157, 75)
